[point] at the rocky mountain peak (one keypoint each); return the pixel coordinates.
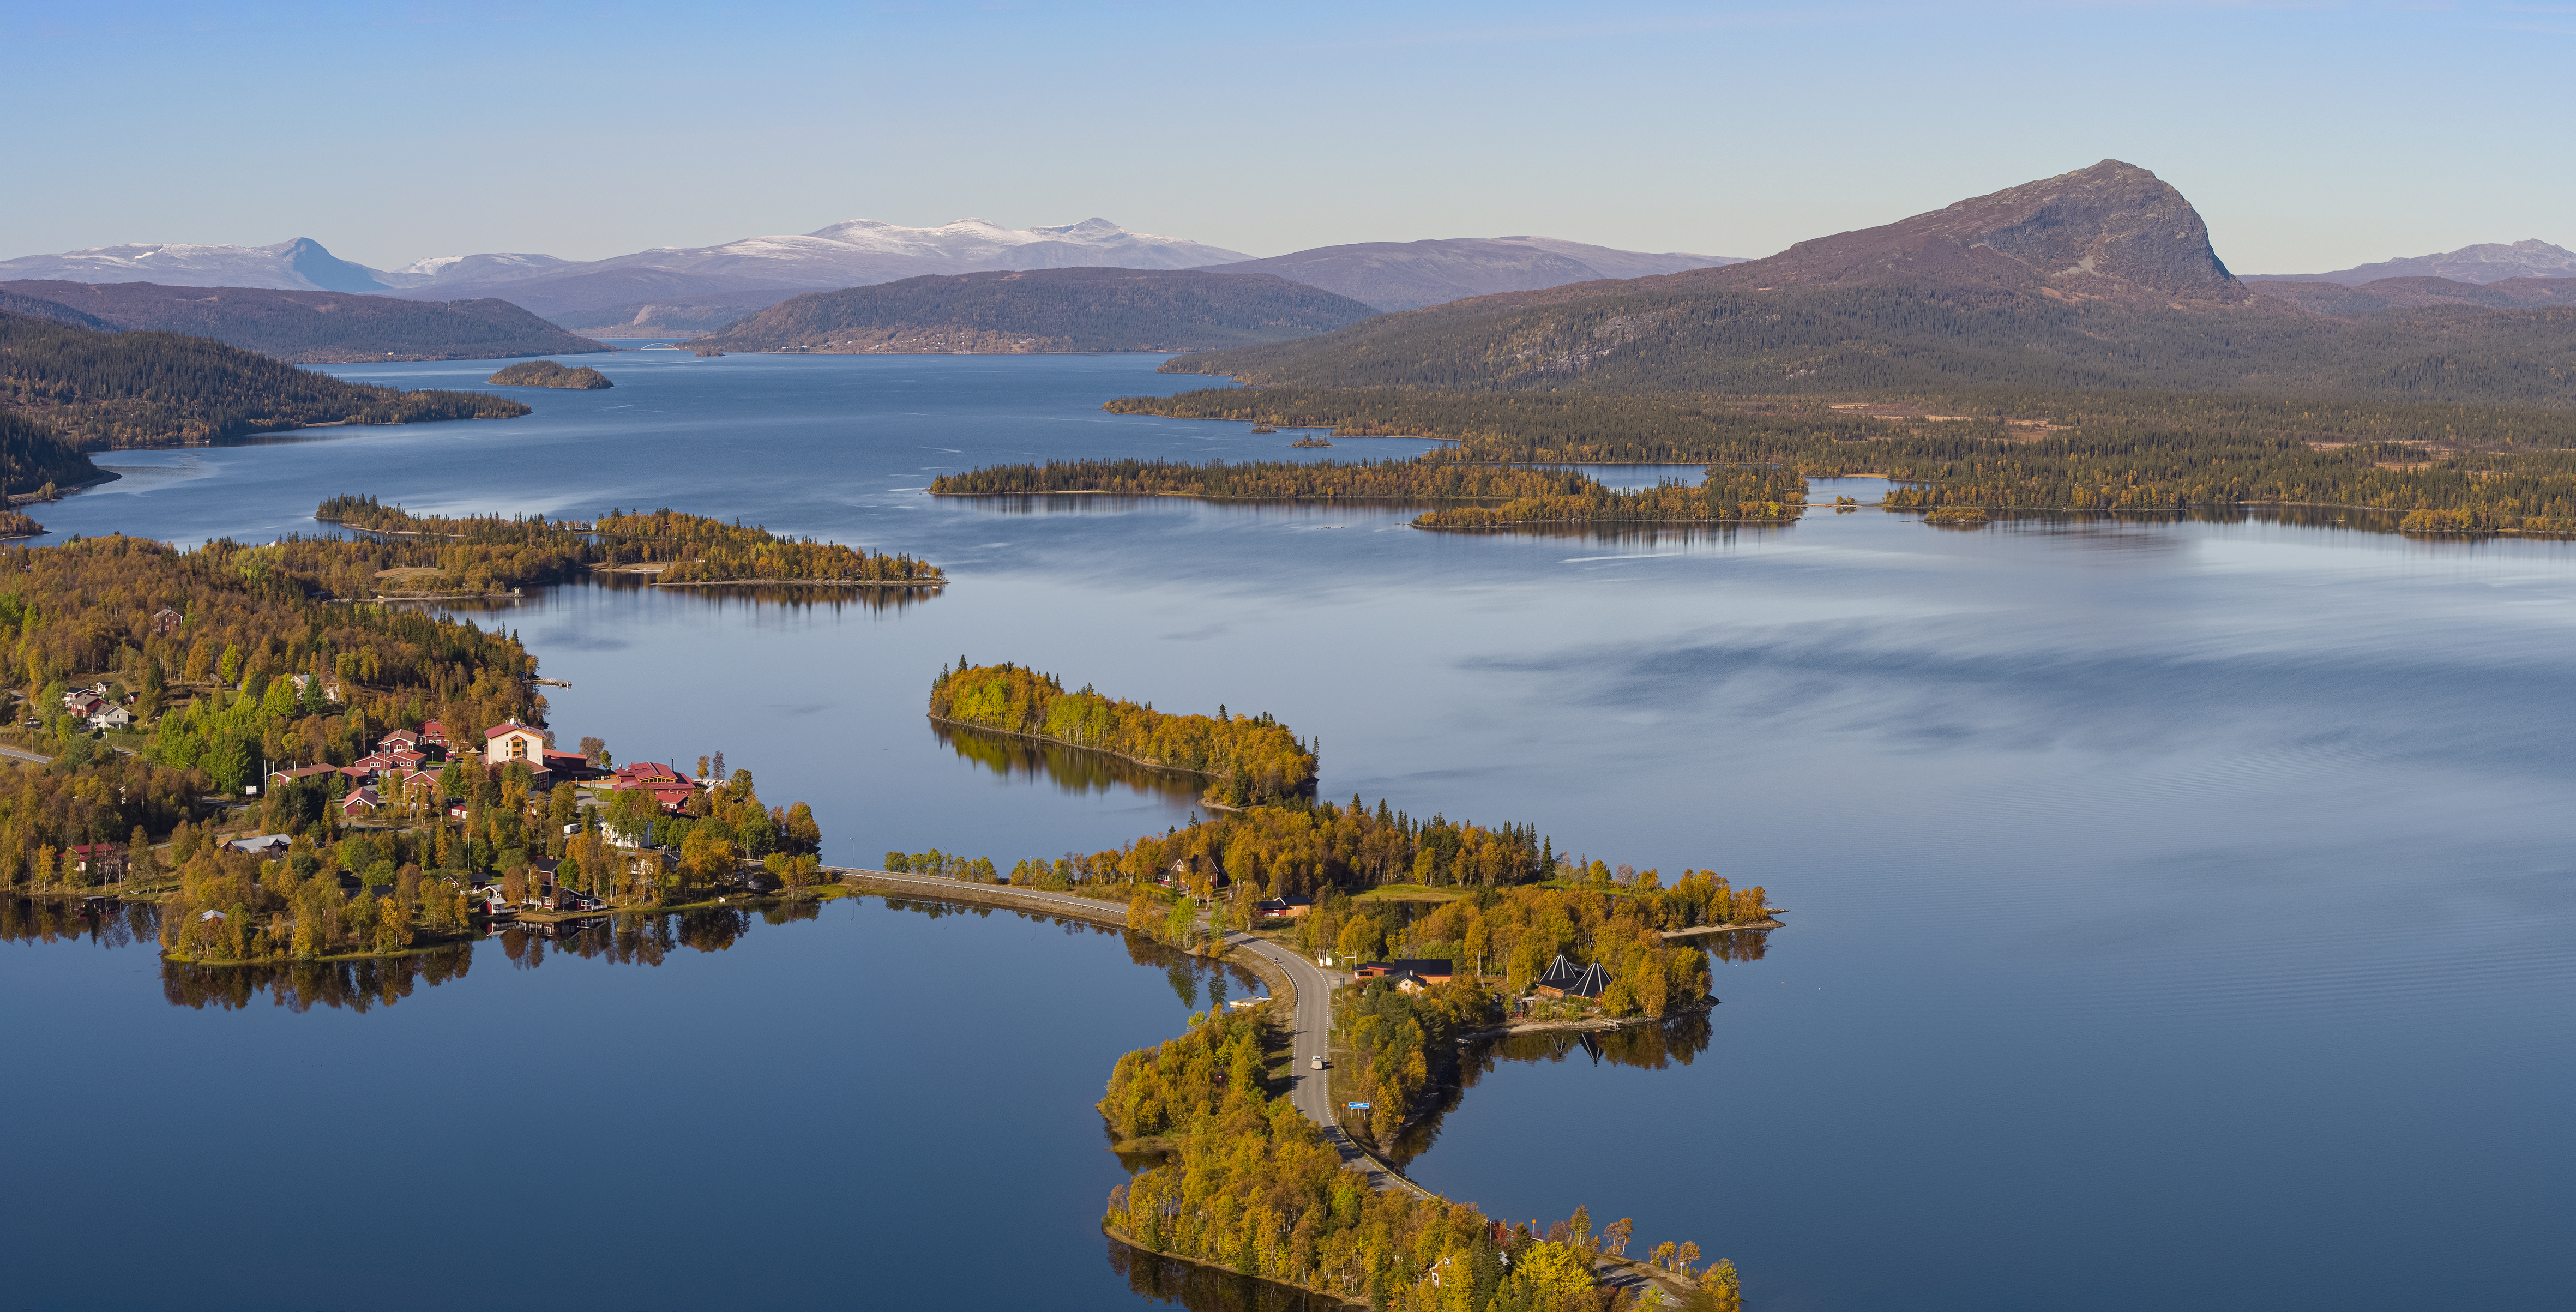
(2113, 230)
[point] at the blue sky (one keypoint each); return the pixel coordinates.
(2311, 137)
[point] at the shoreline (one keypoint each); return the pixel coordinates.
(809, 583)
(1598, 524)
(1103, 751)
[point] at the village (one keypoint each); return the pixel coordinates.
(396, 787)
(414, 778)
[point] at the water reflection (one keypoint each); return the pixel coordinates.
(104, 921)
(1677, 1040)
(788, 596)
(1191, 977)
(299, 985)
(1206, 1289)
(1073, 770)
(643, 938)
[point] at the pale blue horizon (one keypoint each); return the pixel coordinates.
(2309, 138)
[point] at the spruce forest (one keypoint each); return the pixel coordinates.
(130, 389)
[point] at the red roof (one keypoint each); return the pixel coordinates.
(644, 770)
(510, 726)
(433, 729)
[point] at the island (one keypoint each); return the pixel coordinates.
(2427, 467)
(411, 555)
(548, 373)
(1251, 760)
(1468, 496)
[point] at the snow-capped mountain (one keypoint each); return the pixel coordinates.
(758, 271)
(300, 265)
(751, 271)
(463, 268)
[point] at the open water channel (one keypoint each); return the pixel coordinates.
(2181, 913)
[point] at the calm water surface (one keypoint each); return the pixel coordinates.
(2182, 913)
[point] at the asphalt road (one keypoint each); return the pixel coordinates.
(1310, 1029)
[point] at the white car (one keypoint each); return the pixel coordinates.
(1319, 1063)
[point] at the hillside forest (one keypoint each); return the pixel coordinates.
(1045, 310)
(130, 389)
(304, 327)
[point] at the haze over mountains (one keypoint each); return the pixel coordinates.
(1409, 275)
(2488, 262)
(2100, 278)
(687, 289)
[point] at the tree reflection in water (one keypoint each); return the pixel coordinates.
(103, 921)
(1073, 769)
(637, 938)
(1206, 1289)
(1646, 1047)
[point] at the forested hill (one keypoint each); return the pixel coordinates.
(316, 327)
(14, 303)
(32, 456)
(1916, 338)
(1040, 311)
(126, 389)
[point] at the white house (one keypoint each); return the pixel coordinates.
(512, 741)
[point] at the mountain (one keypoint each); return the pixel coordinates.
(1041, 311)
(2101, 278)
(681, 317)
(2387, 294)
(2490, 262)
(314, 327)
(32, 455)
(298, 265)
(15, 303)
(749, 273)
(123, 389)
(759, 271)
(2113, 231)
(1409, 275)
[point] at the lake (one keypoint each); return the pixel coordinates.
(2180, 912)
